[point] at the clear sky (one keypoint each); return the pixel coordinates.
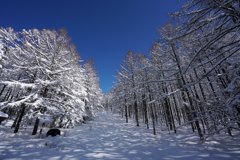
(102, 30)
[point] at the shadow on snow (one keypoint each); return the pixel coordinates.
(108, 137)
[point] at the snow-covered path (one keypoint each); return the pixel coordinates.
(109, 138)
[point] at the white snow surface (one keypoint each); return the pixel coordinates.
(109, 138)
(3, 114)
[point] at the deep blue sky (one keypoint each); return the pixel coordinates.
(104, 30)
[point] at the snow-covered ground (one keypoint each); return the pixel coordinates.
(109, 138)
(3, 114)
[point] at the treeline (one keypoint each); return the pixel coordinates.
(42, 78)
(191, 76)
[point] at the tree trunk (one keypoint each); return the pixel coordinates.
(7, 94)
(15, 121)
(187, 97)
(2, 90)
(126, 113)
(145, 111)
(130, 111)
(20, 118)
(176, 108)
(153, 119)
(35, 127)
(136, 111)
(169, 116)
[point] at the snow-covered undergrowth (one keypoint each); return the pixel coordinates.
(109, 138)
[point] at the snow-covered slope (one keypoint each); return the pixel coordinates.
(109, 138)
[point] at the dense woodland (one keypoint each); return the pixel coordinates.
(43, 80)
(191, 76)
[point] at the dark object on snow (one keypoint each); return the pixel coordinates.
(53, 132)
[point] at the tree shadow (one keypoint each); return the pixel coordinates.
(108, 138)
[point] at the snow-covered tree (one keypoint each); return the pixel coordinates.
(192, 72)
(94, 98)
(42, 77)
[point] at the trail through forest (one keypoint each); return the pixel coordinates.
(109, 138)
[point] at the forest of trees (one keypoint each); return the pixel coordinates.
(43, 79)
(191, 76)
